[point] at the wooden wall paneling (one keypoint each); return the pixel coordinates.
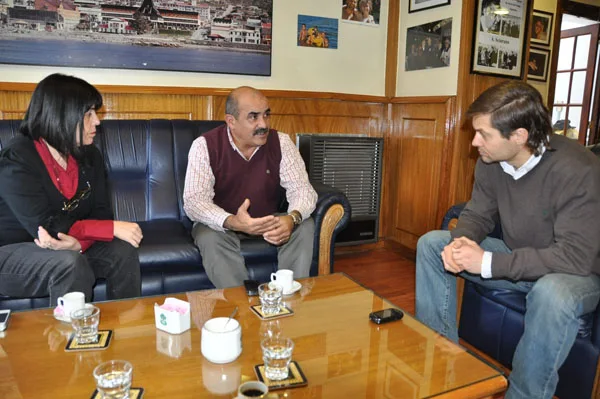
(154, 106)
(13, 104)
(117, 105)
(320, 116)
(415, 176)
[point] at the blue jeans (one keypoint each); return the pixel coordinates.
(554, 304)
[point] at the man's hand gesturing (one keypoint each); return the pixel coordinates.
(242, 221)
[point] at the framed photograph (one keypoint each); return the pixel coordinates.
(420, 5)
(428, 45)
(499, 37)
(213, 37)
(541, 27)
(537, 65)
(319, 32)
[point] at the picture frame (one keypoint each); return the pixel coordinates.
(499, 38)
(420, 5)
(153, 36)
(541, 27)
(537, 64)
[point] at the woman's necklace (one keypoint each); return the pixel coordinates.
(60, 159)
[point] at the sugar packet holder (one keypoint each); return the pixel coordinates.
(173, 316)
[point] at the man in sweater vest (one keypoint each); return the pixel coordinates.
(232, 191)
(544, 190)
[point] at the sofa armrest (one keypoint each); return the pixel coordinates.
(331, 215)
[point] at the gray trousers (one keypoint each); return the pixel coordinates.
(225, 266)
(27, 270)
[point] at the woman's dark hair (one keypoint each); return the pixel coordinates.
(56, 111)
(513, 105)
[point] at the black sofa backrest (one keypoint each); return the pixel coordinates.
(141, 157)
(8, 130)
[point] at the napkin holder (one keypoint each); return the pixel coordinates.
(173, 316)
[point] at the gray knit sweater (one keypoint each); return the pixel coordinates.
(550, 217)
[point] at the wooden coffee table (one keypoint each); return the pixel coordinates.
(342, 354)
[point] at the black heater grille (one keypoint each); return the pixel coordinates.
(353, 165)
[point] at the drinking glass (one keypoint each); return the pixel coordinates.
(277, 355)
(113, 379)
(85, 323)
(270, 298)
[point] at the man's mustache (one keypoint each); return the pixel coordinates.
(261, 130)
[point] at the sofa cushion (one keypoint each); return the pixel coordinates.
(167, 246)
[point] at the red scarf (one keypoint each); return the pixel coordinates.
(66, 181)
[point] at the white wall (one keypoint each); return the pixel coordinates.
(429, 82)
(356, 67)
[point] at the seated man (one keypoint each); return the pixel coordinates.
(544, 189)
(232, 187)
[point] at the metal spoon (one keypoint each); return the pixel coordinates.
(230, 316)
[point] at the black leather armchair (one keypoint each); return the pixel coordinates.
(146, 162)
(492, 321)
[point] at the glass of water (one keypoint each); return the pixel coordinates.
(277, 355)
(113, 379)
(85, 323)
(270, 298)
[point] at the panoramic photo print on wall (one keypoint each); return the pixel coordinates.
(214, 36)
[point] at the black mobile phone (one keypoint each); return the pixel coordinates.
(251, 287)
(4, 317)
(386, 315)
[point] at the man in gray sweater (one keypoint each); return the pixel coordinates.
(544, 190)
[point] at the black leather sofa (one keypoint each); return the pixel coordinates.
(492, 321)
(146, 162)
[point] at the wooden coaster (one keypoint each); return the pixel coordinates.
(283, 311)
(134, 393)
(295, 378)
(104, 337)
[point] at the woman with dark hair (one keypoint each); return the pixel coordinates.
(58, 234)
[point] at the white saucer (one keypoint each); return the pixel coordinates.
(295, 288)
(60, 316)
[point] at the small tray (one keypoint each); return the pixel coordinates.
(295, 378)
(283, 311)
(104, 337)
(134, 393)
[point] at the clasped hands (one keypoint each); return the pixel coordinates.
(126, 231)
(275, 230)
(462, 254)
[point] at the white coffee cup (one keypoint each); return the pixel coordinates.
(283, 278)
(221, 340)
(70, 302)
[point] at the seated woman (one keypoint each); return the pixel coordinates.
(58, 234)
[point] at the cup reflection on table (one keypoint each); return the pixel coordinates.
(221, 379)
(85, 324)
(113, 379)
(277, 355)
(270, 298)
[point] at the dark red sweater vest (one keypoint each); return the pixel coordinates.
(237, 179)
